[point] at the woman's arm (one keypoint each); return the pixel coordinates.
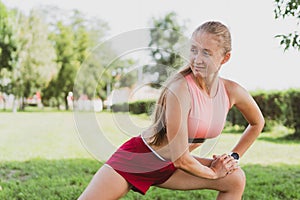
(177, 109)
(244, 102)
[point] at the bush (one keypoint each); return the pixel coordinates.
(142, 106)
(120, 107)
(137, 107)
(278, 108)
(292, 113)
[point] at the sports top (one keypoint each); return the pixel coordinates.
(207, 115)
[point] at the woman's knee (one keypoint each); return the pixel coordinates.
(237, 180)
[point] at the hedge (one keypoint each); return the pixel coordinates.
(278, 107)
(137, 107)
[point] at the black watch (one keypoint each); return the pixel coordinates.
(235, 155)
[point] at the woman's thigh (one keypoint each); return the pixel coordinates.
(106, 184)
(181, 180)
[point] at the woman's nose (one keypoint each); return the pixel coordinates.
(198, 59)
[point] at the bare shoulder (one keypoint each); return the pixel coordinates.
(235, 91)
(178, 86)
(231, 86)
(178, 91)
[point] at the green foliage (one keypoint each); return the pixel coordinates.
(8, 48)
(288, 8)
(278, 108)
(35, 55)
(8, 44)
(137, 107)
(236, 118)
(285, 8)
(72, 41)
(273, 106)
(293, 110)
(43, 51)
(142, 106)
(120, 107)
(166, 40)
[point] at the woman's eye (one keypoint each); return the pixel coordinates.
(193, 50)
(205, 53)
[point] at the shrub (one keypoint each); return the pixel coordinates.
(142, 106)
(292, 113)
(137, 107)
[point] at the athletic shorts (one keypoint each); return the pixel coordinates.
(138, 165)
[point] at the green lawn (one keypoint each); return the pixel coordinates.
(42, 157)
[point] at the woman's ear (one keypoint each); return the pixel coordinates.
(226, 58)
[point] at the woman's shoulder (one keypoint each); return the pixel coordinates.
(178, 85)
(230, 84)
(234, 90)
(178, 90)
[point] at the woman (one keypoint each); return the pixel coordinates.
(192, 107)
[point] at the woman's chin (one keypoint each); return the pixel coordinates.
(198, 74)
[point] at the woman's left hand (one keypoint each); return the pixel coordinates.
(230, 164)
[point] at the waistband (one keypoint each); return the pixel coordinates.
(196, 140)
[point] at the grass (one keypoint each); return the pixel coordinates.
(42, 157)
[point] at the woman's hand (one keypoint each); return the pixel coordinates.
(223, 165)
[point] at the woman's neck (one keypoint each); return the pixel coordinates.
(208, 84)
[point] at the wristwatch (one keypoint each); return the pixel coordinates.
(235, 155)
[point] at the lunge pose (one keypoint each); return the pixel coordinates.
(192, 107)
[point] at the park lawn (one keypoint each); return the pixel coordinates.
(42, 157)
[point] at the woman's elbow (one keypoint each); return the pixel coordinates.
(261, 123)
(181, 162)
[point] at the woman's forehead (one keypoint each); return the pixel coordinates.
(205, 40)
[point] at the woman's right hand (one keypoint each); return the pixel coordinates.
(223, 165)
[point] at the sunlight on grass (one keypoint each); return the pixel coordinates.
(119, 127)
(25, 136)
(42, 156)
(53, 135)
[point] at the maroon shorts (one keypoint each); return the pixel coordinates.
(140, 166)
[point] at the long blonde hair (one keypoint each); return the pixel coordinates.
(159, 115)
(159, 121)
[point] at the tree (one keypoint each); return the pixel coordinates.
(87, 80)
(288, 8)
(8, 47)
(75, 40)
(283, 9)
(166, 40)
(7, 40)
(35, 64)
(66, 58)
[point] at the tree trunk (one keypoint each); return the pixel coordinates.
(58, 103)
(66, 102)
(22, 104)
(297, 131)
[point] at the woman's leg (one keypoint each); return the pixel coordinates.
(230, 187)
(106, 184)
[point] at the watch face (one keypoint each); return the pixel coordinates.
(235, 156)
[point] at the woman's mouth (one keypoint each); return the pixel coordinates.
(199, 68)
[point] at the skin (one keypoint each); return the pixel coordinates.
(220, 173)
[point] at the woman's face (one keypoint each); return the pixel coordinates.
(206, 56)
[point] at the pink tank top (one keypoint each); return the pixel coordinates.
(207, 115)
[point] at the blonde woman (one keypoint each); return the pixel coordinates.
(192, 107)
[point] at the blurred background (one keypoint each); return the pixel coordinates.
(110, 58)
